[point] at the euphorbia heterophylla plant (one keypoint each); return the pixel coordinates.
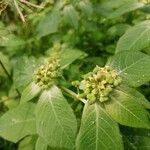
(72, 85)
(108, 95)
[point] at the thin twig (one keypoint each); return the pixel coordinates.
(3, 6)
(73, 95)
(31, 4)
(8, 75)
(19, 11)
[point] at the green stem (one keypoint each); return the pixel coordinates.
(73, 95)
(9, 77)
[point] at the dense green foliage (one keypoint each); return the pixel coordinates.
(74, 74)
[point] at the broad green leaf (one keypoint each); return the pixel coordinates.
(69, 55)
(70, 16)
(28, 143)
(11, 40)
(56, 123)
(117, 3)
(124, 109)
(98, 131)
(30, 92)
(107, 7)
(118, 29)
(127, 7)
(136, 38)
(49, 23)
(86, 7)
(24, 71)
(6, 63)
(133, 67)
(40, 144)
(135, 95)
(18, 122)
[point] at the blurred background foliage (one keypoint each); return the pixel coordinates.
(87, 29)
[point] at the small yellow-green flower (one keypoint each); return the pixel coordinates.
(97, 85)
(47, 74)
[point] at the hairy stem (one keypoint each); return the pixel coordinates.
(9, 77)
(73, 95)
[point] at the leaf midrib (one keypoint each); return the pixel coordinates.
(127, 110)
(97, 125)
(122, 71)
(138, 37)
(53, 109)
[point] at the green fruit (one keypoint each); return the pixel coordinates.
(116, 82)
(75, 83)
(101, 87)
(108, 89)
(40, 83)
(96, 69)
(110, 79)
(87, 91)
(86, 76)
(82, 85)
(91, 97)
(95, 91)
(45, 86)
(103, 82)
(103, 99)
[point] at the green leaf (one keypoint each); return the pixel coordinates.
(98, 130)
(24, 71)
(135, 95)
(40, 144)
(118, 29)
(18, 122)
(28, 143)
(70, 16)
(11, 40)
(117, 3)
(127, 7)
(69, 55)
(136, 38)
(86, 7)
(30, 92)
(49, 24)
(6, 63)
(124, 109)
(133, 67)
(56, 123)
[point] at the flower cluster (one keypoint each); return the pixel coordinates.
(47, 74)
(97, 85)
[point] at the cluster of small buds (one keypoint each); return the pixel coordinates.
(47, 74)
(97, 85)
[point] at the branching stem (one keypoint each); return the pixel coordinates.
(73, 95)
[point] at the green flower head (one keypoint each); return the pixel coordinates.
(98, 85)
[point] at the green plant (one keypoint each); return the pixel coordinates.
(74, 76)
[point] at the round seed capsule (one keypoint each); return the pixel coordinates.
(103, 99)
(91, 97)
(87, 91)
(108, 89)
(96, 69)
